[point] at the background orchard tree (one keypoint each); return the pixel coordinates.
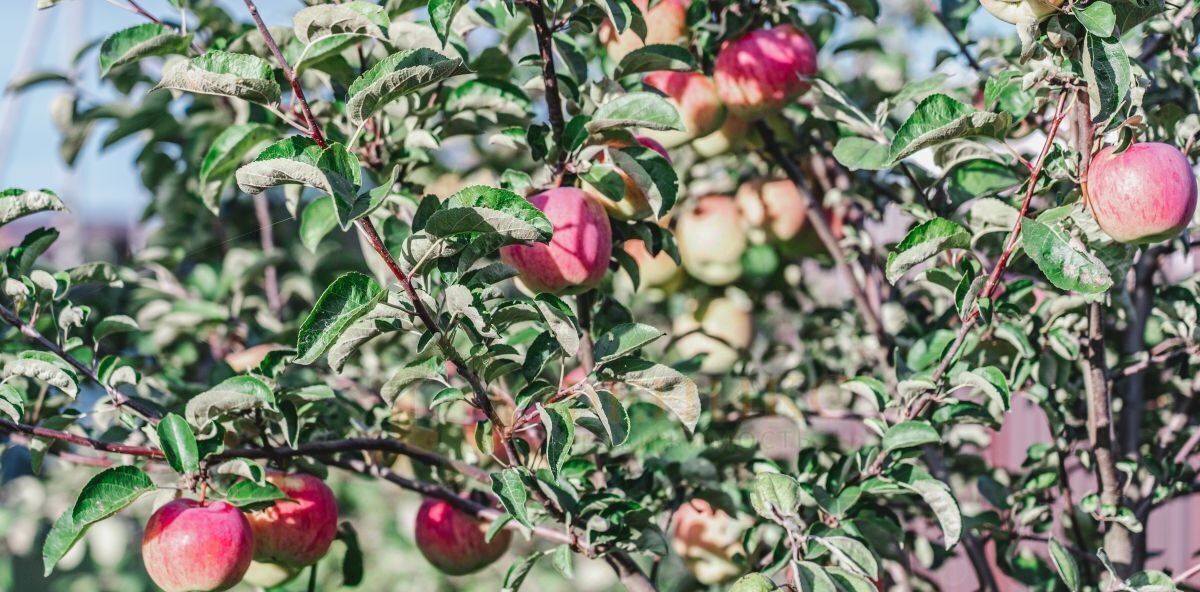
(543, 286)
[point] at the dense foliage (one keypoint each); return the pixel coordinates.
(590, 272)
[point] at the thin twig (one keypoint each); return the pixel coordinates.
(545, 41)
(262, 211)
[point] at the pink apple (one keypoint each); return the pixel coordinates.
(720, 330)
(296, 533)
(453, 541)
(633, 205)
(1145, 194)
(191, 546)
(666, 24)
(694, 96)
(762, 71)
(773, 208)
(708, 539)
(711, 240)
(577, 256)
(731, 135)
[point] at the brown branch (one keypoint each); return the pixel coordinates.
(1159, 43)
(545, 41)
(118, 398)
(262, 212)
(314, 128)
(109, 447)
(962, 47)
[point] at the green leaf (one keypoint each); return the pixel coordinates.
(852, 554)
(317, 220)
(676, 392)
(988, 379)
(1098, 18)
(114, 325)
(636, 109)
(327, 29)
(909, 434)
(560, 436)
(346, 300)
(178, 444)
(234, 395)
(654, 58)
(977, 178)
(652, 173)
(517, 572)
(21, 258)
(407, 376)
(945, 508)
(441, 15)
(861, 154)
(775, 497)
(225, 74)
(509, 487)
(624, 339)
(939, 119)
(611, 413)
(1064, 261)
(1107, 71)
(45, 368)
(16, 203)
(140, 41)
(230, 148)
(754, 582)
(299, 160)
(1064, 562)
(352, 562)
(924, 241)
(104, 495)
(395, 76)
(249, 495)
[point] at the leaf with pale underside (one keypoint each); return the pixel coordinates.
(140, 41)
(636, 109)
(346, 300)
(222, 73)
(299, 160)
(395, 76)
(16, 203)
(676, 392)
(938, 119)
(924, 241)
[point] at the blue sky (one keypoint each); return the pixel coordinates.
(104, 186)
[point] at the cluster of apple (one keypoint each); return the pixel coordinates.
(191, 545)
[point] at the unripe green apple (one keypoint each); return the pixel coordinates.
(576, 257)
(720, 330)
(731, 135)
(296, 533)
(189, 546)
(453, 541)
(1145, 194)
(655, 272)
(708, 539)
(762, 71)
(694, 96)
(711, 240)
(666, 24)
(269, 575)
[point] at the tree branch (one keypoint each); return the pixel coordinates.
(314, 129)
(118, 398)
(545, 41)
(262, 212)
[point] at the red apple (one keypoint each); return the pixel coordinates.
(666, 24)
(190, 546)
(296, 533)
(773, 208)
(1145, 194)
(634, 205)
(711, 240)
(720, 330)
(707, 539)
(577, 256)
(695, 97)
(762, 71)
(453, 541)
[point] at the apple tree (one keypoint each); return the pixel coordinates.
(589, 280)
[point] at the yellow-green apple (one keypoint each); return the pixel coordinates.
(295, 532)
(694, 96)
(708, 539)
(711, 240)
(1017, 11)
(191, 546)
(772, 208)
(666, 24)
(577, 255)
(633, 205)
(453, 541)
(762, 71)
(731, 135)
(655, 272)
(269, 575)
(1143, 195)
(719, 330)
